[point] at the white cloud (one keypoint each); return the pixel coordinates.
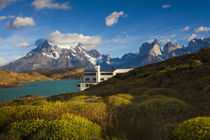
(187, 28)
(6, 17)
(4, 3)
(166, 6)
(3, 61)
(121, 39)
(20, 22)
(2, 18)
(113, 18)
(192, 37)
(202, 29)
(68, 39)
(41, 4)
(22, 44)
(1, 39)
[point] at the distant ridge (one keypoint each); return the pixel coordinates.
(49, 55)
(152, 53)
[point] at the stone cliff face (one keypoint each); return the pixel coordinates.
(151, 53)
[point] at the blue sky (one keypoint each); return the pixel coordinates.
(128, 23)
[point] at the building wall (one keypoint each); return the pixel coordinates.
(105, 77)
(86, 85)
(94, 75)
(117, 71)
(92, 78)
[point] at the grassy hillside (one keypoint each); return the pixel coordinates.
(63, 73)
(10, 79)
(163, 101)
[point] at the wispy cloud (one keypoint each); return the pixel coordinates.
(166, 6)
(202, 29)
(42, 4)
(3, 61)
(193, 36)
(68, 39)
(22, 44)
(5, 3)
(20, 22)
(113, 18)
(187, 28)
(121, 40)
(6, 17)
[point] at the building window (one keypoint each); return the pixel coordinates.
(94, 79)
(102, 79)
(87, 85)
(106, 73)
(89, 74)
(78, 85)
(87, 79)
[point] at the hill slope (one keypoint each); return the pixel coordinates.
(162, 101)
(62, 73)
(150, 102)
(181, 74)
(10, 79)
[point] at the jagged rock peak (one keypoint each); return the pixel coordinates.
(168, 47)
(150, 49)
(184, 46)
(40, 42)
(94, 53)
(178, 46)
(155, 42)
(155, 51)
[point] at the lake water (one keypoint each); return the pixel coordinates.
(44, 88)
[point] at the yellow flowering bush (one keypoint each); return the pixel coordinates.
(193, 129)
(90, 110)
(23, 128)
(68, 126)
(119, 99)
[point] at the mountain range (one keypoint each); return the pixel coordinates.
(49, 55)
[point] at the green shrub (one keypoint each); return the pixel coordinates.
(23, 129)
(81, 97)
(193, 129)
(68, 126)
(166, 131)
(202, 83)
(161, 91)
(138, 90)
(206, 91)
(119, 100)
(161, 105)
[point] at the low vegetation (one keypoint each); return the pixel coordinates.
(162, 101)
(62, 73)
(12, 79)
(196, 128)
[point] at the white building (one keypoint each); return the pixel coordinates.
(91, 78)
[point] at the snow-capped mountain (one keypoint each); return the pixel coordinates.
(48, 55)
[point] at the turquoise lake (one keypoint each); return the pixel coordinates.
(44, 88)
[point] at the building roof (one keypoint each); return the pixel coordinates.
(108, 70)
(100, 71)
